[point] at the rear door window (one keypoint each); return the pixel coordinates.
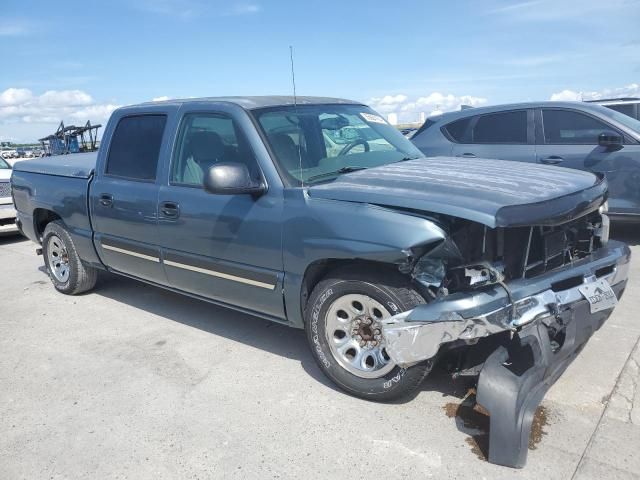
(571, 127)
(135, 147)
(503, 127)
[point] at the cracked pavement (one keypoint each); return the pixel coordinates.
(131, 381)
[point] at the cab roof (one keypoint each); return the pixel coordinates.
(251, 103)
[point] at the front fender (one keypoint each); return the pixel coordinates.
(315, 230)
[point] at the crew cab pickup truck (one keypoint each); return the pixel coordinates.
(316, 213)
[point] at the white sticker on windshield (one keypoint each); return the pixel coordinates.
(370, 117)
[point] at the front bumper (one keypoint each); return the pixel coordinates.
(8, 219)
(515, 377)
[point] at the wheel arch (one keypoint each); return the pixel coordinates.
(41, 218)
(320, 269)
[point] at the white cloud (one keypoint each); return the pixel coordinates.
(537, 61)
(190, 9)
(631, 90)
(15, 96)
(20, 107)
(514, 7)
(566, 96)
(94, 112)
(245, 9)
(57, 98)
(566, 10)
(409, 109)
(13, 28)
(160, 99)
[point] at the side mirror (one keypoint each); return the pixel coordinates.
(610, 140)
(231, 178)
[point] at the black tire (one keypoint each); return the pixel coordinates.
(392, 290)
(80, 278)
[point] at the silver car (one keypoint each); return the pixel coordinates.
(578, 135)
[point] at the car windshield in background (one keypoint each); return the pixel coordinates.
(4, 165)
(315, 143)
(625, 120)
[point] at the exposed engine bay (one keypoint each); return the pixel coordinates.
(474, 255)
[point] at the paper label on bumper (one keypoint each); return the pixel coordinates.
(599, 295)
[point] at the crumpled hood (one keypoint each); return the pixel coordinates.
(496, 193)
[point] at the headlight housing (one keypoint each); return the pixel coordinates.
(604, 208)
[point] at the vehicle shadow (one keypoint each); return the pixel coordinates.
(237, 326)
(240, 327)
(626, 232)
(11, 238)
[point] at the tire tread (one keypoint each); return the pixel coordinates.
(82, 278)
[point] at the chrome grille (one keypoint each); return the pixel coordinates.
(5, 189)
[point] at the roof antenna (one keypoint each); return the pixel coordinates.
(295, 107)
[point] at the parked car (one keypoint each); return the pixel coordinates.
(387, 259)
(629, 106)
(7, 212)
(570, 134)
(13, 160)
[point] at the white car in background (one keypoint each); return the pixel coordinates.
(7, 211)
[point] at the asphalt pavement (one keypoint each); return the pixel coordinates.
(131, 381)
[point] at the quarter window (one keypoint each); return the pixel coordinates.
(135, 147)
(569, 127)
(626, 108)
(459, 130)
(505, 127)
(206, 139)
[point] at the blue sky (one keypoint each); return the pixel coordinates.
(85, 59)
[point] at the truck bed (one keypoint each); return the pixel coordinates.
(56, 186)
(78, 165)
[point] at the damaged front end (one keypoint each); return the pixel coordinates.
(540, 292)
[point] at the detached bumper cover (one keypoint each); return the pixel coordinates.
(516, 376)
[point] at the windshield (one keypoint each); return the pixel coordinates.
(625, 120)
(317, 143)
(4, 165)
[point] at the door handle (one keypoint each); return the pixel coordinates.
(170, 209)
(552, 160)
(106, 200)
(467, 155)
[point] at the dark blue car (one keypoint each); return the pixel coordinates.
(578, 135)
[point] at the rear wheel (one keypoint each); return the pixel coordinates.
(343, 323)
(66, 271)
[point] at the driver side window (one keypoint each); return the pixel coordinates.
(570, 127)
(204, 140)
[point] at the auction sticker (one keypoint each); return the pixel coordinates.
(370, 117)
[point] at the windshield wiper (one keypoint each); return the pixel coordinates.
(334, 173)
(406, 159)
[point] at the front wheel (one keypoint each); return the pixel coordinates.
(343, 324)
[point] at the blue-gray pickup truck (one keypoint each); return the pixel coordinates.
(316, 213)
